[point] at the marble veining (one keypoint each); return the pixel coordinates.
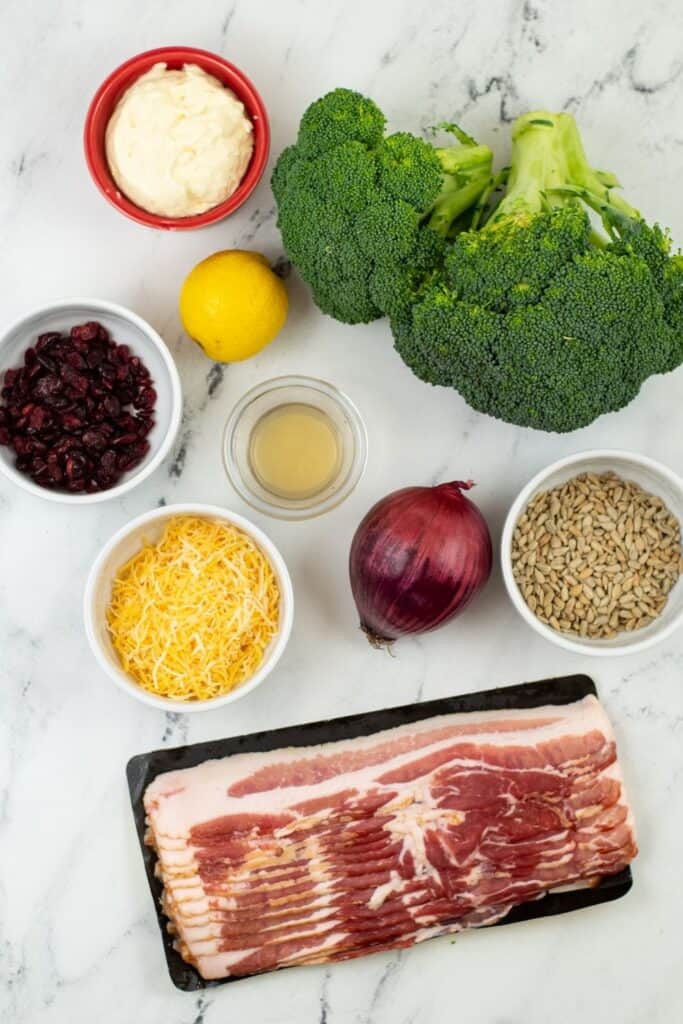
(78, 936)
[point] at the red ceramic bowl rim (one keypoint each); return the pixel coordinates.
(227, 73)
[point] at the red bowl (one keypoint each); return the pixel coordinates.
(108, 95)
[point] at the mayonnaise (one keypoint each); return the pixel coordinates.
(178, 142)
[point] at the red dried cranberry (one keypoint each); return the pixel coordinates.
(112, 406)
(95, 356)
(86, 332)
(70, 422)
(95, 438)
(47, 386)
(45, 340)
(127, 461)
(125, 439)
(108, 461)
(146, 399)
(76, 360)
(75, 465)
(38, 418)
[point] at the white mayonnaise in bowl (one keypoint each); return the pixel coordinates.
(176, 173)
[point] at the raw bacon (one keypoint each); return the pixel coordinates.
(316, 854)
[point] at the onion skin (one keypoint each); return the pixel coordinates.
(417, 559)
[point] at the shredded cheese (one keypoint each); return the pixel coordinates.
(191, 616)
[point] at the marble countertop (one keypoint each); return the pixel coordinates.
(78, 935)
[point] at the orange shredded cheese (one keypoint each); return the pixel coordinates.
(191, 616)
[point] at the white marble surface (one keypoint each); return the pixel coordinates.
(78, 937)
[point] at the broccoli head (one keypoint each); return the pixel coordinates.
(539, 317)
(364, 216)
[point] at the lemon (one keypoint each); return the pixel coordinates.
(233, 305)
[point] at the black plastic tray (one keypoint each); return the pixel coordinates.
(144, 768)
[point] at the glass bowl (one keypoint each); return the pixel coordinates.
(305, 391)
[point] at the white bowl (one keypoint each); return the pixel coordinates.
(128, 329)
(653, 477)
(121, 547)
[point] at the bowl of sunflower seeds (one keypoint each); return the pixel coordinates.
(591, 552)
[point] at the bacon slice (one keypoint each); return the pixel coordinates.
(317, 854)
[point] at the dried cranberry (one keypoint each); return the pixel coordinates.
(95, 438)
(127, 461)
(38, 418)
(78, 381)
(124, 439)
(95, 356)
(146, 399)
(75, 465)
(47, 386)
(64, 445)
(70, 422)
(86, 332)
(108, 461)
(45, 340)
(112, 406)
(76, 360)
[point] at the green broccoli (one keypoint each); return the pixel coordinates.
(364, 216)
(539, 317)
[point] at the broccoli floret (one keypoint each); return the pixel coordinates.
(364, 217)
(539, 318)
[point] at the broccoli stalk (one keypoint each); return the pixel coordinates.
(467, 175)
(550, 168)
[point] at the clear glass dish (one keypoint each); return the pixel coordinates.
(283, 391)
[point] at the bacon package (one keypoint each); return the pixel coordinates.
(312, 854)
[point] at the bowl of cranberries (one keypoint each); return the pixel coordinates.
(90, 401)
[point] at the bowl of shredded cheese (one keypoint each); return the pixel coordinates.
(188, 607)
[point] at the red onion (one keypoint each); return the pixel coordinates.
(418, 557)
